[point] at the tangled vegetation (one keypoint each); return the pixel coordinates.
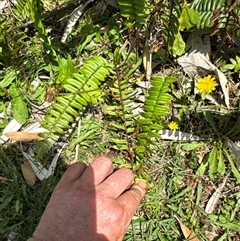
(152, 84)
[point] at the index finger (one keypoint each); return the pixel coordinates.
(100, 168)
(130, 200)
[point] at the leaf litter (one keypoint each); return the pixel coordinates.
(213, 200)
(187, 233)
(28, 174)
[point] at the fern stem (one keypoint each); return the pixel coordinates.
(123, 114)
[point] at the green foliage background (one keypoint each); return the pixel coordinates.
(94, 76)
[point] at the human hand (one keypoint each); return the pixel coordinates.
(91, 203)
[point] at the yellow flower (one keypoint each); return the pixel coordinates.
(173, 126)
(206, 84)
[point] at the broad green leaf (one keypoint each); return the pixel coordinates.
(19, 106)
(202, 169)
(227, 67)
(178, 47)
(233, 61)
(221, 165)
(8, 78)
(237, 67)
(192, 146)
(212, 160)
(188, 18)
(238, 59)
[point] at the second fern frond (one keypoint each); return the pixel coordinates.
(80, 91)
(155, 108)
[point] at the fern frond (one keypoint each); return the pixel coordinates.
(155, 108)
(133, 10)
(204, 5)
(124, 95)
(22, 9)
(123, 106)
(217, 14)
(81, 90)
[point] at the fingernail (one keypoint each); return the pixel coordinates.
(142, 183)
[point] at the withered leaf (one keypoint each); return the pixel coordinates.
(23, 136)
(28, 174)
(187, 233)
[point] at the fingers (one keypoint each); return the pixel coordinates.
(97, 171)
(130, 199)
(73, 172)
(117, 183)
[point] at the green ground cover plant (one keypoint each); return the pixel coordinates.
(103, 77)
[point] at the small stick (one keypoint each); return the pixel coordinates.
(77, 146)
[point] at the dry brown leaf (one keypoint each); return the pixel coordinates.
(3, 179)
(23, 136)
(28, 174)
(212, 202)
(187, 233)
(12, 126)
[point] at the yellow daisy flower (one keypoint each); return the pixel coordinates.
(206, 84)
(173, 126)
